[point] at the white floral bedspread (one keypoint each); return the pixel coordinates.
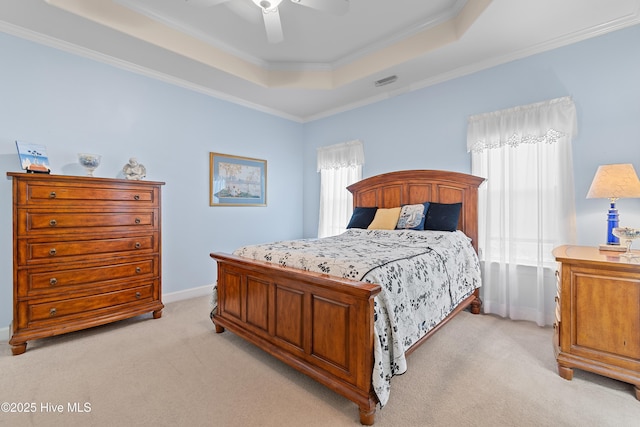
(423, 275)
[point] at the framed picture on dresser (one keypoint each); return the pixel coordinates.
(33, 157)
(237, 181)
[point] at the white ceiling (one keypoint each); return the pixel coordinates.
(326, 63)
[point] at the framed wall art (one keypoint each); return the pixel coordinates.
(237, 181)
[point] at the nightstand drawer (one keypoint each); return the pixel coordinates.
(51, 311)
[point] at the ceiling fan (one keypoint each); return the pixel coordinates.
(271, 14)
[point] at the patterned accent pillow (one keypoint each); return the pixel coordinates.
(412, 217)
(385, 219)
(362, 217)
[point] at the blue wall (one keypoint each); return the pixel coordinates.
(72, 104)
(426, 129)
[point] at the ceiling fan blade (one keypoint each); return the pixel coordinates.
(336, 7)
(205, 3)
(272, 25)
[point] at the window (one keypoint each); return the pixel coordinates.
(526, 207)
(340, 165)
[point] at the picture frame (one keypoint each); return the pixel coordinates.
(237, 181)
(33, 157)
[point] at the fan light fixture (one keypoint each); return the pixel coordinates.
(271, 14)
(267, 5)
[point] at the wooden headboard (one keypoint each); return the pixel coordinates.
(406, 187)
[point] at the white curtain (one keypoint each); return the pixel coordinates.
(526, 206)
(340, 165)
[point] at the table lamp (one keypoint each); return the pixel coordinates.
(614, 182)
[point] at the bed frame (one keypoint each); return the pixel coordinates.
(323, 325)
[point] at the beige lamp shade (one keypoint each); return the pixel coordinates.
(615, 182)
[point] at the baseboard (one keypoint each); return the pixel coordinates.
(187, 294)
(166, 298)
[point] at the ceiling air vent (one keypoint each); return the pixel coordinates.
(385, 81)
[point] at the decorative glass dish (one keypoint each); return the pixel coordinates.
(627, 234)
(89, 161)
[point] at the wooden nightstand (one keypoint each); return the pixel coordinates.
(597, 326)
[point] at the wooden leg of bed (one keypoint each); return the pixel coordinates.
(476, 304)
(367, 415)
(219, 329)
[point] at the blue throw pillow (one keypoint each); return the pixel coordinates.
(443, 216)
(412, 217)
(362, 217)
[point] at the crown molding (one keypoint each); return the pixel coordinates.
(134, 68)
(618, 24)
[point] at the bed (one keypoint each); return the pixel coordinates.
(327, 326)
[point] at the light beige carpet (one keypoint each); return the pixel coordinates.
(176, 371)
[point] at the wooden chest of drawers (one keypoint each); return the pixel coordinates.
(597, 324)
(86, 251)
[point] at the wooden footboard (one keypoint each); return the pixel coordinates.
(318, 324)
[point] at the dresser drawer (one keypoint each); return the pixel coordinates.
(56, 193)
(52, 311)
(37, 251)
(52, 222)
(43, 281)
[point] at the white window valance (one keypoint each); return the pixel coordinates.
(341, 155)
(547, 121)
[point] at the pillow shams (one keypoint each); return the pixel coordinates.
(443, 216)
(412, 217)
(385, 219)
(361, 217)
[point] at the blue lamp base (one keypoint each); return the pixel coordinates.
(612, 222)
(613, 242)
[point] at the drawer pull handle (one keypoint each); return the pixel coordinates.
(53, 223)
(53, 281)
(52, 312)
(52, 195)
(557, 299)
(138, 270)
(136, 197)
(138, 295)
(138, 245)
(137, 221)
(52, 251)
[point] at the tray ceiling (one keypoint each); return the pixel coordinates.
(326, 63)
